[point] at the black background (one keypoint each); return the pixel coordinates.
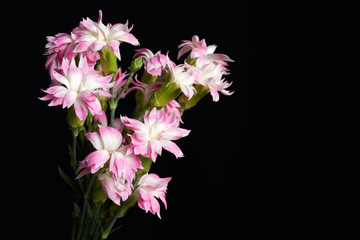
(270, 161)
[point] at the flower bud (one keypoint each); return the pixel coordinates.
(108, 61)
(103, 102)
(72, 119)
(146, 164)
(165, 94)
(187, 103)
(98, 195)
(148, 78)
(136, 64)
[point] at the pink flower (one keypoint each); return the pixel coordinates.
(120, 80)
(151, 186)
(154, 63)
(59, 47)
(173, 108)
(124, 163)
(210, 75)
(115, 190)
(199, 49)
(93, 36)
(107, 142)
(78, 86)
(158, 131)
(146, 89)
(184, 79)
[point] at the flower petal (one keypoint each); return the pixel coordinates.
(111, 138)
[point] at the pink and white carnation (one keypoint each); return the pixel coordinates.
(157, 132)
(78, 86)
(210, 75)
(173, 107)
(115, 190)
(94, 36)
(151, 186)
(184, 79)
(59, 47)
(119, 82)
(199, 49)
(107, 142)
(156, 63)
(146, 89)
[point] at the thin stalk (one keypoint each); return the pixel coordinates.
(114, 101)
(82, 219)
(108, 228)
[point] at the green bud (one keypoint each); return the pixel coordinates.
(136, 64)
(192, 61)
(103, 102)
(98, 195)
(165, 94)
(72, 119)
(108, 61)
(130, 202)
(148, 78)
(146, 164)
(184, 101)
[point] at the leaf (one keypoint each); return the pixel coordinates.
(69, 181)
(72, 160)
(115, 229)
(77, 211)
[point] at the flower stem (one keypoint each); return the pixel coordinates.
(82, 219)
(75, 133)
(108, 228)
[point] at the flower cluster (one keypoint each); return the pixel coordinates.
(116, 155)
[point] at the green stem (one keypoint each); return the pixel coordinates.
(114, 101)
(82, 219)
(108, 228)
(75, 133)
(112, 107)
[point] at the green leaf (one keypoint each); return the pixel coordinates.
(69, 181)
(77, 211)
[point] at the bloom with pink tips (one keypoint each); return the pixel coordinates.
(115, 190)
(210, 76)
(94, 36)
(154, 63)
(78, 86)
(124, 163)
(199, 49)
(107, 142)
(184, 79)
(151, 186)
(157, 132)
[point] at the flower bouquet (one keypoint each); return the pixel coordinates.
(111, 157)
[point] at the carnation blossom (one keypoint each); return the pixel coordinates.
(151, 186)
(199, 49)
(210, 75)
(158, 131)
(146, 89)
(107, 142)
(154, 63)
(115, 190)
(78, 86)
(183, 79)
(95, 36)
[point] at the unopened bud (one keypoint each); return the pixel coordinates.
(136, 64)
(72, 119)
(187, 103)
(165, 94)
(98, 195)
